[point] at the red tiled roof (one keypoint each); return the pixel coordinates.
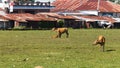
(58, 4)
(3, 18)
(105, 6)
(45, 17)
(55, 15)
(24, 17)
(73, 5)
(67, 5)
(16, 18)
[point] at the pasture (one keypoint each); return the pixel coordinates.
(27, 49)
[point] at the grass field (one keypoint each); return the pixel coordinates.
(77, 51)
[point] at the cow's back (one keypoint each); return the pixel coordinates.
(62, 30)
(101, 39)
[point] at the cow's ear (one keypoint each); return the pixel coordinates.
(53, 28)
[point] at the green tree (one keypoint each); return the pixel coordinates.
(112, 0)
(116, 1)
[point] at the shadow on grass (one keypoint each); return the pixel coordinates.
(110, 50)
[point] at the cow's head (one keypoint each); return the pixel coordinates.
(55, 36)
(95, 42)
(53, 29)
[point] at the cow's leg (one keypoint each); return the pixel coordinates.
(59, 35)
(102, 47)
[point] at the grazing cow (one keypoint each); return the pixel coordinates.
(55, 36)
(60, 31)
(100, 41)
(38, 67)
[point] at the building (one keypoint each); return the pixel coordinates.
(89, 8)
(15, 13)
(32, 7)
(92, 7)
(25, 7)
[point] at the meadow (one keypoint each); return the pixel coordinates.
(27, 49)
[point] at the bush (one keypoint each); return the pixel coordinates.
(19, 27)
(60, 23)
(46, 24)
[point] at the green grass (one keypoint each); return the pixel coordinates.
(76, 51)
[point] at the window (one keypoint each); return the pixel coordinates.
(107, 14)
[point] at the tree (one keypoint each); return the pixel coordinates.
(112, 0)
(116, 1)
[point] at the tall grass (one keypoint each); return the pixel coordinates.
(77, 51)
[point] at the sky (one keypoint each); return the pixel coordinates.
(45, 0)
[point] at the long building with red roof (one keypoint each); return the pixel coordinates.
(87, 7)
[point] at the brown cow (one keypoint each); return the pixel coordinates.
(60, 31)
(38, 67)
(100, 41)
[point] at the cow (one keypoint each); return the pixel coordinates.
(101, 41)
(38, 67)
(60, 31)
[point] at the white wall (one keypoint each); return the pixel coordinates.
(2, 13)
(89, 12)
